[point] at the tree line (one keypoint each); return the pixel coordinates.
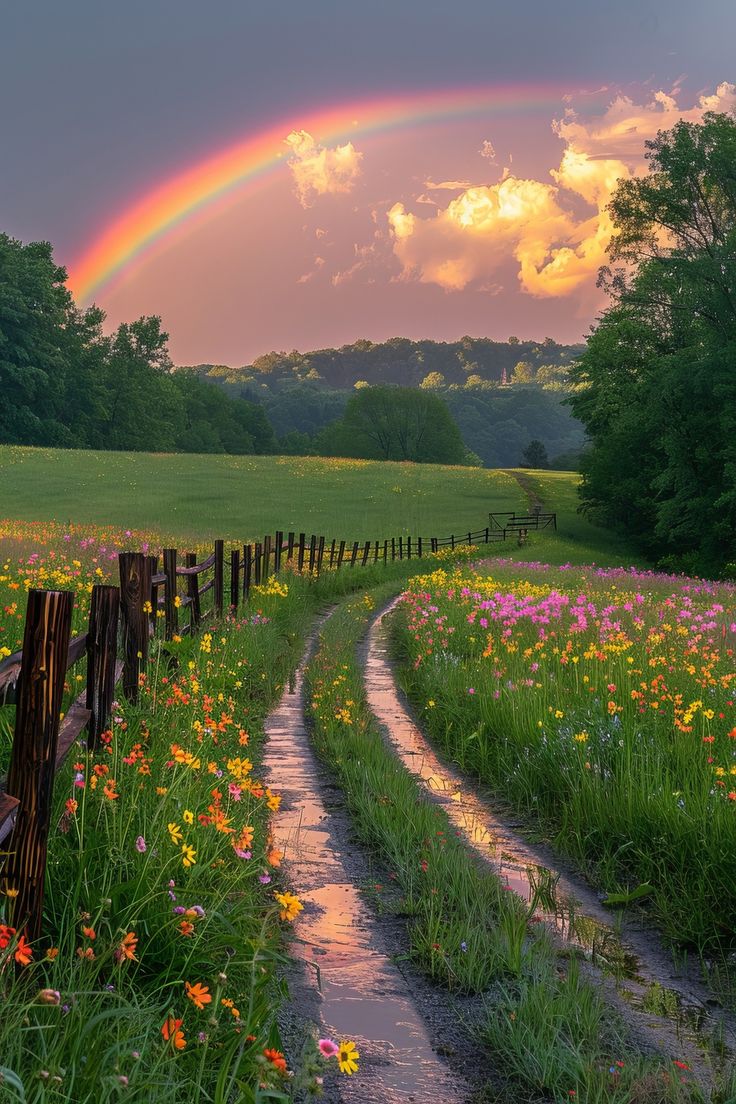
(656, 385)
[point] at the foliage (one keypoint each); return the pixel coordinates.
(657, 383)
(535, 455)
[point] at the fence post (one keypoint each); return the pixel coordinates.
(277, 551)
(195, 611)
(408, 548)
(375, 553)
(235, 578)
(320, 554)
(247, 569)
(102, 647)
(487, 534)
(354, 555)
(135, 588)
(452, 540)
(332, 554)
(312, 553)
(419, 547)
(393, 548)
(33, 756)
(366, 552)
(432, 544)
(385, 552)
(266, 558)
(170, 610)
(300, 553)
(290, 547)
(257, 563)
(340, 554)
(219, 576)
(401, 548)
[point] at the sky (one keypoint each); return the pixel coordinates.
(302, 175)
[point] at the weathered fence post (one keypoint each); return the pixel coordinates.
(135, 588)
(195, 610)
(247, 569)
(300, 553)
(290, 547)
(419, 547)
(375, 553)
(102, 647)
(401, 548)
(487, 534)
(257, 564)
(408, 548)
(266, 557)
(219, 576)
(452, 541)
(312, 553)
(235, 578)
(393, 548)
(320, 554)
(332, 554)
(33, 756)
(354, 554)
(385, 552)
(170, 608)
(366, 552)
(340, 554)
(432, 544)
(470, 538)
(277, 551)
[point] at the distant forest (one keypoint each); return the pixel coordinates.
(502, 394)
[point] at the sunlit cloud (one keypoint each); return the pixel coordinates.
(488, 151)
(318, 170)
(557, 247)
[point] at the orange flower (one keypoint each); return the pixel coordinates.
(109, 790)
(172, 1032)
(186, 928)
(276, 1059)
(89, 932)
(274, 857)
(198, 994)
(6, 934)
(51, 953)
(23, 951)
(128, 947)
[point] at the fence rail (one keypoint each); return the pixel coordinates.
(122, 622)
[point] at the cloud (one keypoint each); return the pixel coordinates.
(487, 150)
(319, 263)
(318, 170)
(447, 185)
(555, 234)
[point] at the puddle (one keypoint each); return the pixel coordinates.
(347, 983)
(645, 976)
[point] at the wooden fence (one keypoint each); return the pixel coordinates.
(122, 622)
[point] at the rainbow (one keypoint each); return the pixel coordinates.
(174, 204)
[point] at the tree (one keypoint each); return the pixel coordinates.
(433, 381)
(535, 455)
(396, 423)
(523, 372)
(656, 386)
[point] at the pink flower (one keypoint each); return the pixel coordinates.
(140, 844)
(327, 1048)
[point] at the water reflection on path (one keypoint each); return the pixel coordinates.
(360, 993)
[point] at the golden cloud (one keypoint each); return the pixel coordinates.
(318, 170)
(558, 248)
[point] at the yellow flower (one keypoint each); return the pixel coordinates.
(177, 601)
(188, 855)
(291, 906)
(175, 832)
(347, 1057)
(188, 816)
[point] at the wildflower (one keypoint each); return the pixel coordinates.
(49, 996)
(172, 1033)
(264, 879)
(186, 927)
(188, 817)
(291, 906)
(188, 855)
(90, 933)
(277, 1059)
(175, 832)
(198, 994)
(347, 1057)
(140, 844)
(327, 1048)
(127, 948)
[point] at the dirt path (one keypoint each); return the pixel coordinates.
(527, 486)
(575, 915)
(347, 985)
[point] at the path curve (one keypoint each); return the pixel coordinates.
(345, 980)
(637, 950)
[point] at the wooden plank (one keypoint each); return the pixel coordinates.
(197, 569)
(8, 806)
(300, 553)
(75, 721)
(102, 643)
(341, 554)
(247, 569)
(33, 755)
(195, 612)
(207, 586)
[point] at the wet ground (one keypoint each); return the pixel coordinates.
(669, 1008)
(348, 985)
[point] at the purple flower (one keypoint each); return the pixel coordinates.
(140, 844)
(463, 946)
(264, 879)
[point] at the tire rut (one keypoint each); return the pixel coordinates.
(346, 981)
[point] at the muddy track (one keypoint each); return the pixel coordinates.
(347, 983)
(572, 911)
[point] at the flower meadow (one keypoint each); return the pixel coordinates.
(600, 701)
(156, 976)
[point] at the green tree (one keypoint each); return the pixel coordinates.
(656, 386)
(535, 455)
